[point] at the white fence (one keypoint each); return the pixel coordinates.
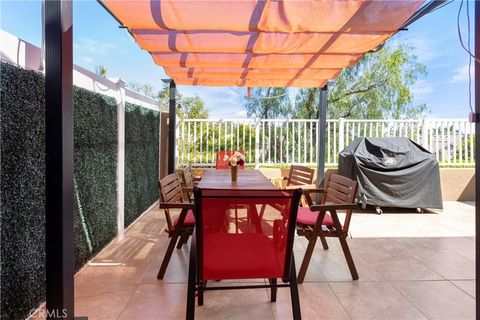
(279, 142)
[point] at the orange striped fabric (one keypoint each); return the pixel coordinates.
(298, 43)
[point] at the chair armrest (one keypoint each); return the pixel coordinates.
(278, 182)
(187, 189)
(304, 187)
(331, 207)
(307, 192)
(176, 205)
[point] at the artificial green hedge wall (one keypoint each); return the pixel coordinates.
(22, 184)
(95, 172)
(22, 191)
(141, 160)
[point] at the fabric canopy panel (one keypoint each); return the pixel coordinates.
(253, 43)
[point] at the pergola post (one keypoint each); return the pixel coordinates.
(322, 128)
(59, 159)
(121, 100)
(477, 153)
(171, 127)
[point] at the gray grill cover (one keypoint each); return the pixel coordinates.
(392, 172)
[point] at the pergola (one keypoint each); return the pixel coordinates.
(249, 43)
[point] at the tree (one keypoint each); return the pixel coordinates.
(269, 103)
(379, 86)
(144, 88)
(164, 96)
(192, 108)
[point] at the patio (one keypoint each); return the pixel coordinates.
(424, 270)
(411, 265)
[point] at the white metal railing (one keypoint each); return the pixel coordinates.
(21, 53)
(277, 141)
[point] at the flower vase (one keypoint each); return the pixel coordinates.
(234, 172)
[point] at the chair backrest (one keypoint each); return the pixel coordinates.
(300, 175)
(170, 191)
(244, 234)
(222, 165)
(340, 189)
(188, 177)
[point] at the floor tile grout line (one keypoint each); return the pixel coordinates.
(340, 301)
(126, 303)
(462, 288)
(429, 268)
(130, 298)
(409, 300)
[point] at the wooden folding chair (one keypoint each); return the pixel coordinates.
(188, 181)
(322, 220)
(180, 228)
(298, 176)
(218, 253)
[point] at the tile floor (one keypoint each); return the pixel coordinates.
(411, 266)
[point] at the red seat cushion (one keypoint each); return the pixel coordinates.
(240, 256)
(189, 219)
(306, 217)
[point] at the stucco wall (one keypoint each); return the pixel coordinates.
(457, 183)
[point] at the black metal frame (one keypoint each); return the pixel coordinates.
(322, 127)
(59, 156)
(171, 127)
(59, 159)
(477, 154)
(426, 9)
(195, 284)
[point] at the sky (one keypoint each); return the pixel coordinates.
(98, 40)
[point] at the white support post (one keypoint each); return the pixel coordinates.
(425, 133)
(257, 144)
(177, 138)
(121, 160)
(161, 143)
(341, 134)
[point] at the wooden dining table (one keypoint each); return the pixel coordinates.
(248, 179)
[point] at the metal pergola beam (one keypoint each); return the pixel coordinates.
(59, 159)
(322, 128)
(171, 126)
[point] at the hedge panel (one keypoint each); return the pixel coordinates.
(22, 184)
(95, 172)
(141, 160)
(22, 191)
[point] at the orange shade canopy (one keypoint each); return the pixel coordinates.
(270, 43)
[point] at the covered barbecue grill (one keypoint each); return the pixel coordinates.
(392, 172)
